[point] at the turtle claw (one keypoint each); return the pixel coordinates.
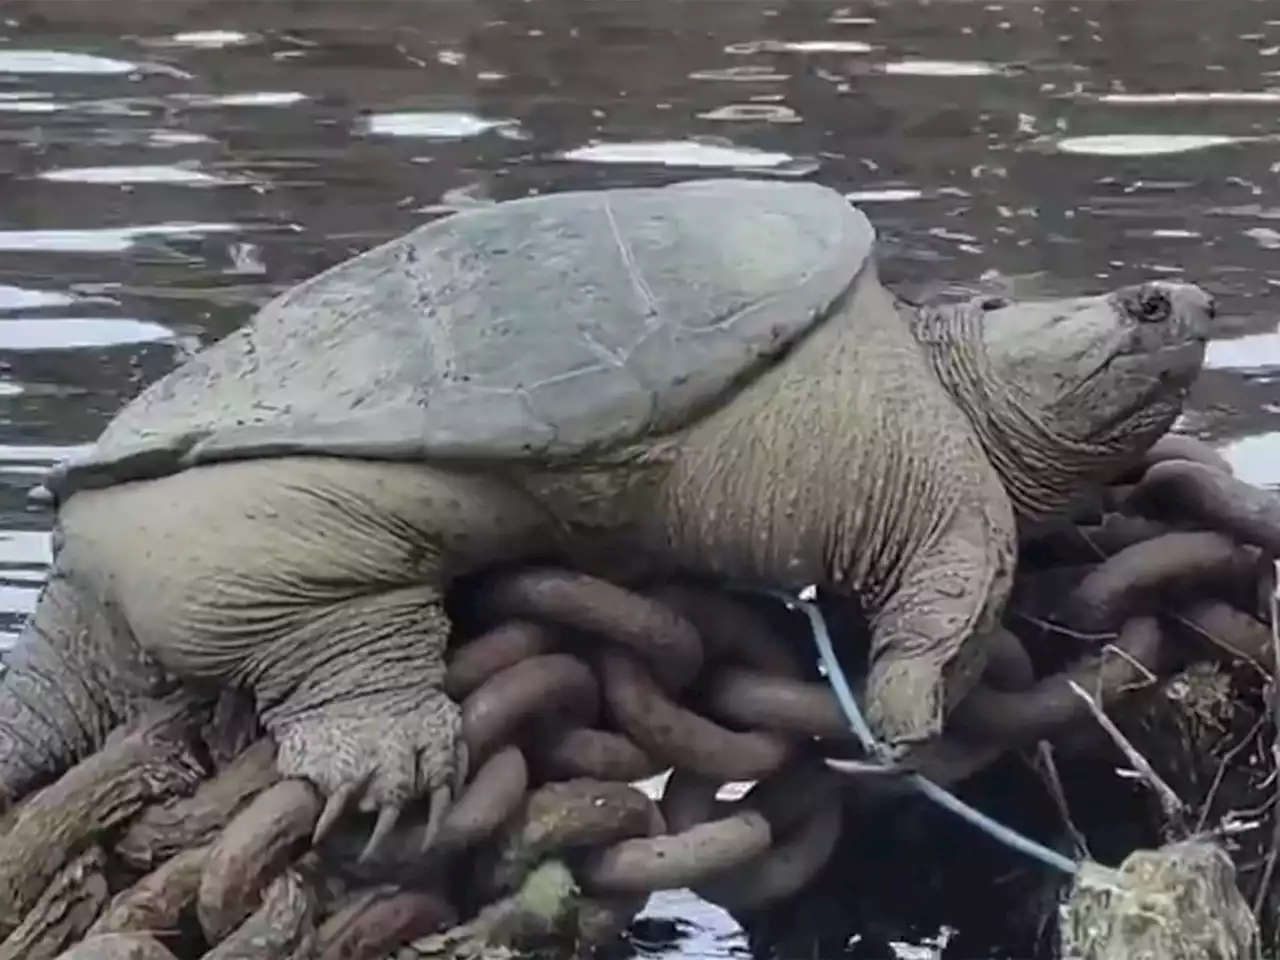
(382, 827)
(441, 799)
(334, 807)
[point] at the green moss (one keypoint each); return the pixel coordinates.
(1178, 902)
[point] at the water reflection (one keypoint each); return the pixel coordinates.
(17, 298)
(1257, 458)
(61, 62)
(942, 68)
(435, 125)
(189, 176)
(75, 333)
(675, 153)
(101, 240)
(1142, 145)
(169, 166)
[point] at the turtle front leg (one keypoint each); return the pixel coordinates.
(946, 598)
(356, 703)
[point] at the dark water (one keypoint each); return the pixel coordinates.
(168, 165)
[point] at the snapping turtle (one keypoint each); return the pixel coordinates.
(708, 375)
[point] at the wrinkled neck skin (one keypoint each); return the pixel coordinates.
(1042, 470)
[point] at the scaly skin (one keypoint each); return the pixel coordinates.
(890, 453)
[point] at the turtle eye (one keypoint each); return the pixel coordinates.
(1153, 305)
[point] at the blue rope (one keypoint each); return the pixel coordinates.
(939, 795)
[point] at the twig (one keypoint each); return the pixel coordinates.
(1173, 807)
(1064, 630)
(1147, 677)
(1220, 774)
(1260, 896)
(1232, 651)
(1053, 783)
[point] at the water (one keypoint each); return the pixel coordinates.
(168, 166)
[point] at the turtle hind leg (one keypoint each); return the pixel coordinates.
(369, 722)
(315, 584)
(75, 673)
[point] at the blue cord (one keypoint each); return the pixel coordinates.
(939, 795)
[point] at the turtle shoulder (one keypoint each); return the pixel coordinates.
(544, 328)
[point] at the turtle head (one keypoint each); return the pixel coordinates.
(1110, 371)
(1081, 386)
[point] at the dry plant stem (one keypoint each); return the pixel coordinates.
(159, 832)
(1048, 770)
(1264, 885)
(1174, 808)
(155, 902)
(118, 946)
(64, 911)
(1232, 635)
(150, 762)
(283, 928)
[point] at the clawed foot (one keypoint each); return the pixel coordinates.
(381, 760)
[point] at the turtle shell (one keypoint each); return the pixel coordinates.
(542, 328)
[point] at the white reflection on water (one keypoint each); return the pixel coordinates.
(102, 240)
(57, 61)
(21, 298)
(430, 124)
(943, 68)
(1190, 96)
(210, 39)
(74, 333)
(24, 554)
(678, 153)
(1144, 144)
(1255, 459)
(1257, 353)
(158, 173)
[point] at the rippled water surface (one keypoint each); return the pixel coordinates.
(169, 165)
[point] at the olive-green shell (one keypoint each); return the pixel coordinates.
(542, 328)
